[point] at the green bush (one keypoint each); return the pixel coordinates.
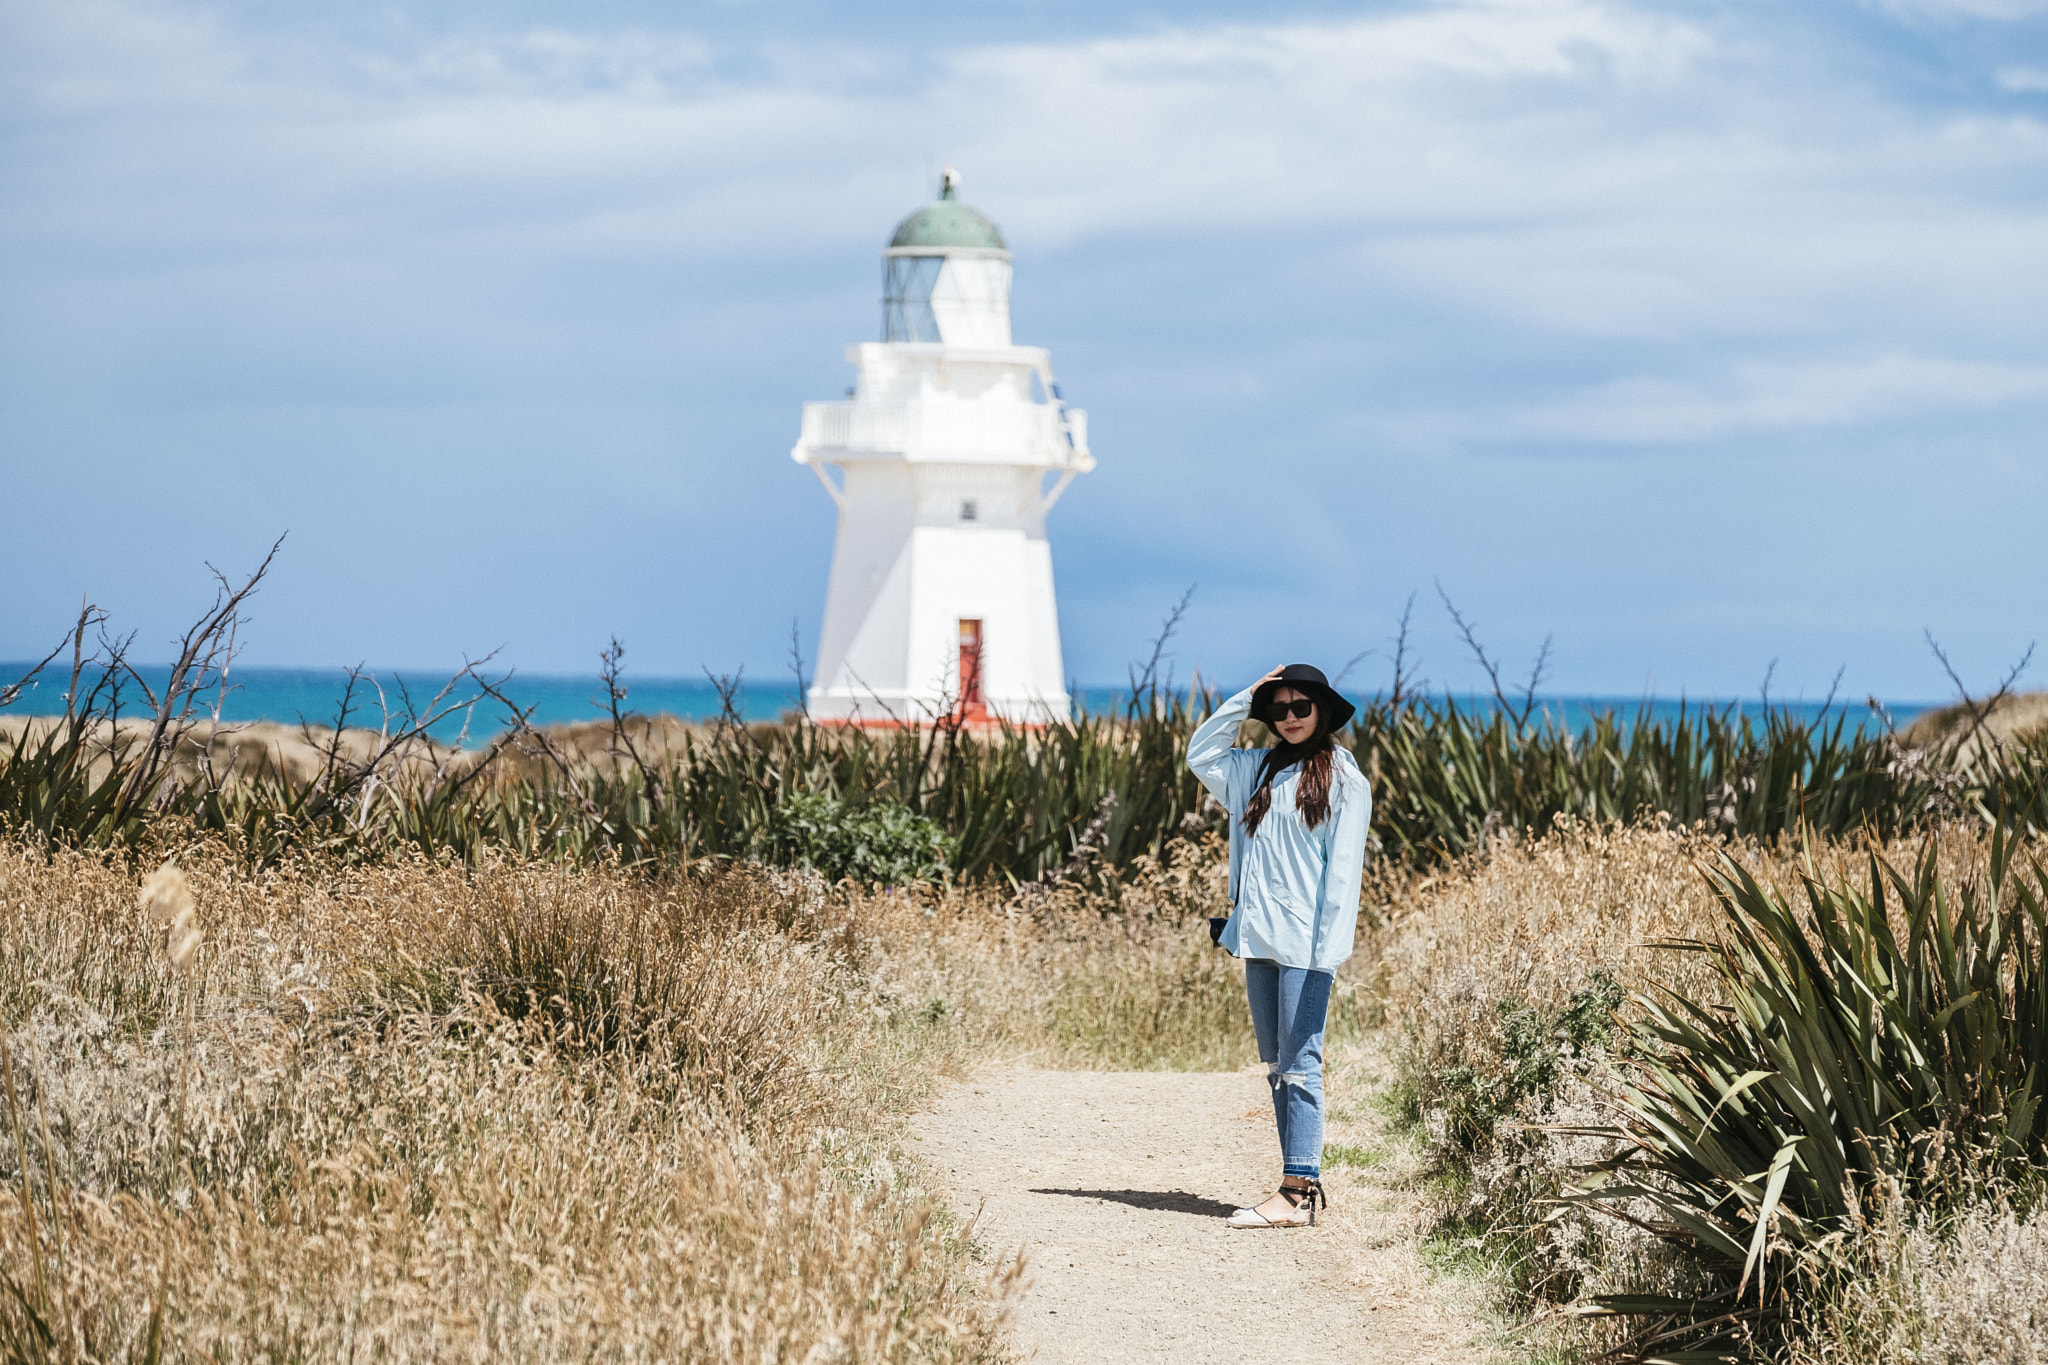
(881, 843)
(1528, 1056)
(1495, 1169)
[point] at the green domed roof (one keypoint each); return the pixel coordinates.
(948, 223)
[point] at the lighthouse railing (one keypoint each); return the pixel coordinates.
(1035, 433)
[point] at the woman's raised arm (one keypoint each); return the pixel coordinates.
(1212, 749)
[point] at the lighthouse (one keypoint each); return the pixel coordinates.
(952, 446)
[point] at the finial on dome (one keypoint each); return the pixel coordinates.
(947, 224)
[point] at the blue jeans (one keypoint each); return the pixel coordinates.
(1289, 1007)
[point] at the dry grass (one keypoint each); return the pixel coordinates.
(520, 1112)
(1072, 978)
(532, 1111)
(1534, 922)
(1904, 1290)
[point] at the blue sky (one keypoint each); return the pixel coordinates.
(1697, 335)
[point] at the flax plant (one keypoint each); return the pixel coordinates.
(1019, 804)
(1880, 1039)
(1449, 780)
(1010, 803)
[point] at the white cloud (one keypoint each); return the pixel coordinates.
(1953, 11)
(1587, 165)
(1764, 397)
(1588, 169)
(2027, 79)
(552, 62)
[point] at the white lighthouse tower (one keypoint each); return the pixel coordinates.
(949, 453)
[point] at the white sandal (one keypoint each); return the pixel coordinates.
(1306, 1205)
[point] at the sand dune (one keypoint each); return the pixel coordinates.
(246, 749)
(2019, 717)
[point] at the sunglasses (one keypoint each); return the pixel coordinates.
(1300, 709)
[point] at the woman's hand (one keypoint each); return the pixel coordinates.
(1274, 676)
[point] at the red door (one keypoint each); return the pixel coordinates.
(972, 707)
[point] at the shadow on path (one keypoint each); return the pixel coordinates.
(1161, 1201)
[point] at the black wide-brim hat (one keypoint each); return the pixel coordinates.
(1306, 678)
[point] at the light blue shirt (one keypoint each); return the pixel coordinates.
(1293, 890)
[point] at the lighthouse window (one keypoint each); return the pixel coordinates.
(907, 283)
(970, 510)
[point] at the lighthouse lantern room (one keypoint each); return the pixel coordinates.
(944, 461)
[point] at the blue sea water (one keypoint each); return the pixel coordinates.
(312, 695)
(1576, 713)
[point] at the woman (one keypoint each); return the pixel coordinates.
(1298, 817)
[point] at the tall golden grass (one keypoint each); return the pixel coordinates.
(514, 1113)
(423, 1110)
(1908, 1287)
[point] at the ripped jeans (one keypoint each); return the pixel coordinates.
(1289, 1006)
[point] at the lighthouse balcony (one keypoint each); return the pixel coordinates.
(1041, 434)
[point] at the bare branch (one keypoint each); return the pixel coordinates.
(1834, 687)
(114, 651)
(88, 614)
(622, 737)
(1471, 639)
(402, 728)
(13, 690)
(531, 740)
(730, 722)
(1354, 661)
(204, 651)
(1145, 681)
(796, 661)
(1980, 713)
(2013, 674)
(212, 779)
(1535, 681)
(331, 752)
(862, 684)
(419, 719)
(1402, 677)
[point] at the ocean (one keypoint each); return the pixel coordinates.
(292, 695)
(312, 695)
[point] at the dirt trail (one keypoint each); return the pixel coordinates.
(1116, 1185)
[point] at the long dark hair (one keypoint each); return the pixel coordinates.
(1317, 757)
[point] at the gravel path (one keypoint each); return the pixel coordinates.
(1116, 1187)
